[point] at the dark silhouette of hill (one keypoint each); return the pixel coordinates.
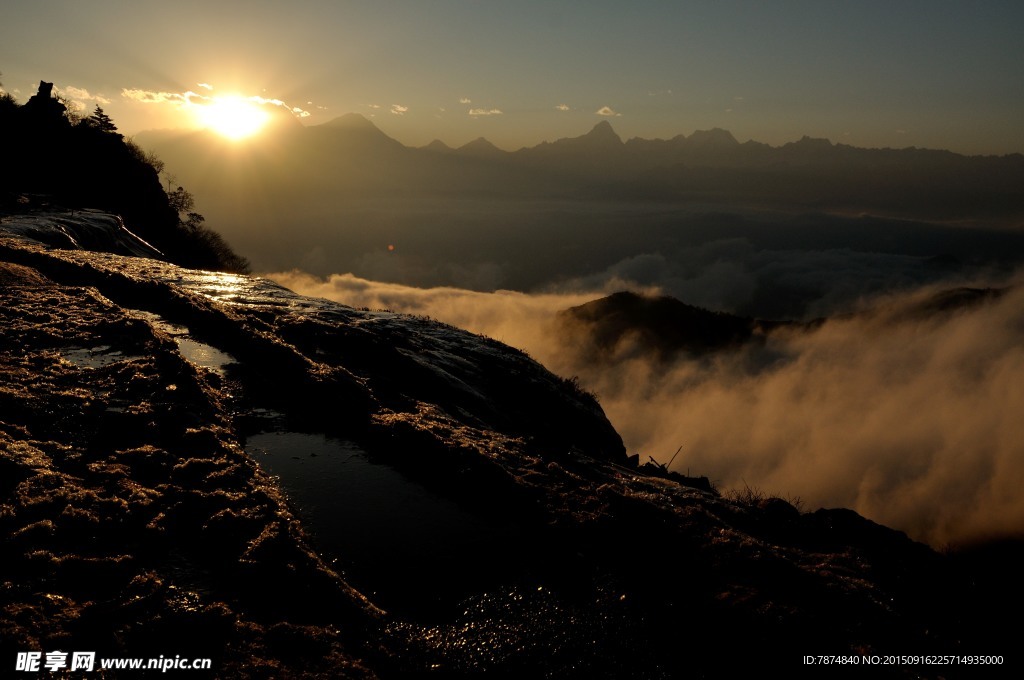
(661, 327)
(438, 146)
(354, 133)
(948, 301)
(480, 148)
(52, 157)
(627, 324)
(602, 139)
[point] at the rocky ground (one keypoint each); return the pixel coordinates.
(133, 522)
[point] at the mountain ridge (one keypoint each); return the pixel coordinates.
(605, 131)
(705, 166)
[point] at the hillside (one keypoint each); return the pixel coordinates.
(53, 157)
(661, 326)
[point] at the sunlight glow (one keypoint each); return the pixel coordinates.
(232, 116)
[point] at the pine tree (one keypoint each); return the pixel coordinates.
(101, 121)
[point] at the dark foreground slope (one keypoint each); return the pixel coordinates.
(133, 523)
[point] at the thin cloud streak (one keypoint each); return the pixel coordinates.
(81, 95)
(156, 97)
(190, 98)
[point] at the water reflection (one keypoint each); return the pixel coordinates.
(94, 357)
(199, 353)
(397, 542)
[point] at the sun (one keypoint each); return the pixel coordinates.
(232, 116)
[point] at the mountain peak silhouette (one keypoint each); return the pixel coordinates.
(812, 144)
(350, 121)
(356, 129)
(603, 132)
(715, 137)
(600, 137)
(438, 145)
(480, 147)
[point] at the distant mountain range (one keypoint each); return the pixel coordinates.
(350, 156)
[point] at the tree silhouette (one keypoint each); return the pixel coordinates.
(181, 200)
(7, 100)
(101, 121)
(36, 139)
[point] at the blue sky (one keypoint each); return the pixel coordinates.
(934, 74)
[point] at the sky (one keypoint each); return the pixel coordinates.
(935, 74)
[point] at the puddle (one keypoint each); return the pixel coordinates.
(199, 353)
(95, 357)
(204, 355)
(398, 543)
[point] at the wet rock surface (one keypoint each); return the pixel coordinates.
(133, 521)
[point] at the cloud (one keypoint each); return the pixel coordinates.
(81, 96)
(465, 100)
(910, 423)
(606, 111)
(153, 97)
(510, 316)
(294, 110)
(910, 419)
(264, 100)
(187, 99)
(562, 107)
(398, 109)
(485, 112)
(205, 86)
